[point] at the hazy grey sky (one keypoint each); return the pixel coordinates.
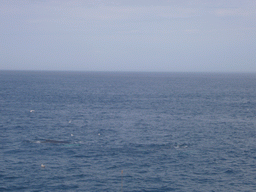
(128, 35)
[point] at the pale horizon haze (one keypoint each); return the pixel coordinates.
(122, 35)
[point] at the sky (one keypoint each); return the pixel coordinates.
(128, 35)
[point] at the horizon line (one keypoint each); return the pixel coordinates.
(124, 71)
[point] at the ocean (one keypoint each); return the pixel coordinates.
(125, 131)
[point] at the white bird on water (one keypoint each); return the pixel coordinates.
(42, 165)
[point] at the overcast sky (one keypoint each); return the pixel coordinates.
(128, 35)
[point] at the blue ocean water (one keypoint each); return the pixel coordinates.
(96, 131)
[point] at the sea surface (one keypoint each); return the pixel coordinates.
(106, 131)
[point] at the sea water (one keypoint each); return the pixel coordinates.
(105, 131)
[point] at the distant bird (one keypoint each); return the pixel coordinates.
(31, 111)
(42, 165)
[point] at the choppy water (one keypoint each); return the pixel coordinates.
(127, 131)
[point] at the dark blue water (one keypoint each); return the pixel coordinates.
(127, 131)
